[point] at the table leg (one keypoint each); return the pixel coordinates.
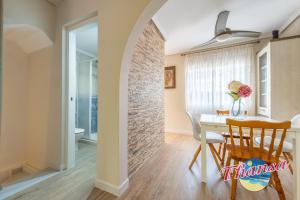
(203, 154)
(297, 166)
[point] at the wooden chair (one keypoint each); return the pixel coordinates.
(223, 112)
(227, 112)
(287, 148)
(241, 152)
(227, 135)
(211, 138)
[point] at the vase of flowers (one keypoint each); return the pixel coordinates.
(237, 91)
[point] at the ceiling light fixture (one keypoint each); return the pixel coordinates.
(223, 37)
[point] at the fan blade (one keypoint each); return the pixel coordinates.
(221, 22)
(205, 44)
(245, 34)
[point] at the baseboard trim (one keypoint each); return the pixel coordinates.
(115, 190)
(30, 169)
(177, 131)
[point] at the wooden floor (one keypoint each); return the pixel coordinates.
(165, 176)
(74, 184)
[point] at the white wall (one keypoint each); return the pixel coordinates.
(27, 93)
(26, 107)
(14, 106)
(176, 120)
(38, 128)
(293, 29)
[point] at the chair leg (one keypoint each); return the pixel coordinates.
(271, 182)
(227, 162)
(290, 156)
(214, 152)
(278, 185)
(223, 153)
(233, 183)
(220, 147)
(195, 157)
(288, 160)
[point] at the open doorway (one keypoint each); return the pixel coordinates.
(82, 99)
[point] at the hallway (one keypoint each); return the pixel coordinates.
(75, 184)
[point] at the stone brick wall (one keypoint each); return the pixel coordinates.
(146, 98)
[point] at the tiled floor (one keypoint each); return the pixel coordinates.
(92, 136)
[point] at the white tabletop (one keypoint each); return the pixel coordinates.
(212, 119)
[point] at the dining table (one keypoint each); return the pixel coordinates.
(217, 123)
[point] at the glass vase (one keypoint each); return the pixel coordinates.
(236, 108)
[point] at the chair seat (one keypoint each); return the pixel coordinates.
(235, 135)
(212, 137)
(287, 146)
(247, 153)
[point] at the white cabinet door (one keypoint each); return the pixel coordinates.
(263, 69)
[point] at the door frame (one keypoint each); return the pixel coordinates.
(67, 153)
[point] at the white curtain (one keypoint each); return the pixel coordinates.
(208, 75)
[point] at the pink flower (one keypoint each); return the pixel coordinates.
(245, 91)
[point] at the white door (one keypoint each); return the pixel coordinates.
(71, 97)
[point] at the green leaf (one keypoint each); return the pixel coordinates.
(234, 96)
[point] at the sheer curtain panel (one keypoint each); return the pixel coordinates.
(208, 75)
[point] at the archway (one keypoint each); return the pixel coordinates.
(145, 17)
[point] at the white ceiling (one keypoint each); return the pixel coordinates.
(87, 39)
(188, 23)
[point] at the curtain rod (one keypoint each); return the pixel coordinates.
(219, 47)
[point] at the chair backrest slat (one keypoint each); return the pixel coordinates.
(241, 139)
(281, 143)
(272, 143)
(264, 127)
(251, 137)
(262, 138)
(231, 138)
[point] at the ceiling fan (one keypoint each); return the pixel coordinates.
(222, 33)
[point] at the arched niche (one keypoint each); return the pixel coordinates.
(27, 37)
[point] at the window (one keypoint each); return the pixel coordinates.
(208, 74)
